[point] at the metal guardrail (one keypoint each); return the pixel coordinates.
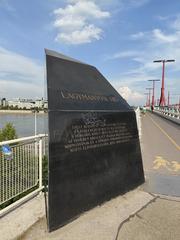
(21, 170)
(170, 113)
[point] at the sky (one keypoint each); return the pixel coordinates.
(121, 38)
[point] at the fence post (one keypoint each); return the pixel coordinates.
(40, 162)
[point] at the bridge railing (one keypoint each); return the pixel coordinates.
(170, 113)
(20, 168)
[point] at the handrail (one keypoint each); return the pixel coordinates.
(23, 139)
(171, 114)
(168, 112)
(21, 169)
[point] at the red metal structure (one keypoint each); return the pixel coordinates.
(149, 98)
(168, 99)
(178, 101)
(153, 88)
(162, 98)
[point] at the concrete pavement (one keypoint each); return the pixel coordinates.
(100, 223)
(137, 215)
(15, 223)
(159, 220)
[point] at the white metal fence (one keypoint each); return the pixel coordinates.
(169, 113)
(21, 167)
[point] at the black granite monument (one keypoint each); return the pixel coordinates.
(94, 150)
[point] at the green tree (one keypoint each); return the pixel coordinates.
(8, 132)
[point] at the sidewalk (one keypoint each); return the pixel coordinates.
(137, 215)
(15, 223)
(159, 220)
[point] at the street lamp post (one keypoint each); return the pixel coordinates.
(35, 123)
(35, 111)
(149, 100)
(35, 129)
(147, 94)
(153, 80)
(178, 103)
(162, 98)
(168, 99)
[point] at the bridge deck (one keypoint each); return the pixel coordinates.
(160, 145)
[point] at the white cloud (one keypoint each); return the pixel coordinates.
(76, 22)
(138, 35)
(19, 66)
(176, 23)
(83, 9)
(11, 89)
(122, 3)
(68, 23)
(162, 18)
(80, 36)
(132, 97)
(18, 73)
(156, 35)
(78, 16)
(161, 37)
(123, 54)
(103, 3)
(155, 45)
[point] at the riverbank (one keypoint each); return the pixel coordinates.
(20, 112)
(24, 122)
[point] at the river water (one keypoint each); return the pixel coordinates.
(25, 123)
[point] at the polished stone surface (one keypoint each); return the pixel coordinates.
(94, 151)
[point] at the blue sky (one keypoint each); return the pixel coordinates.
(120, 37)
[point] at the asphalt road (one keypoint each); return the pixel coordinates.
(160, 145)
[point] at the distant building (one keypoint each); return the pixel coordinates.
(45, 104)
(4, 102)
(28, 103)
(22, 103)
(39, 103)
